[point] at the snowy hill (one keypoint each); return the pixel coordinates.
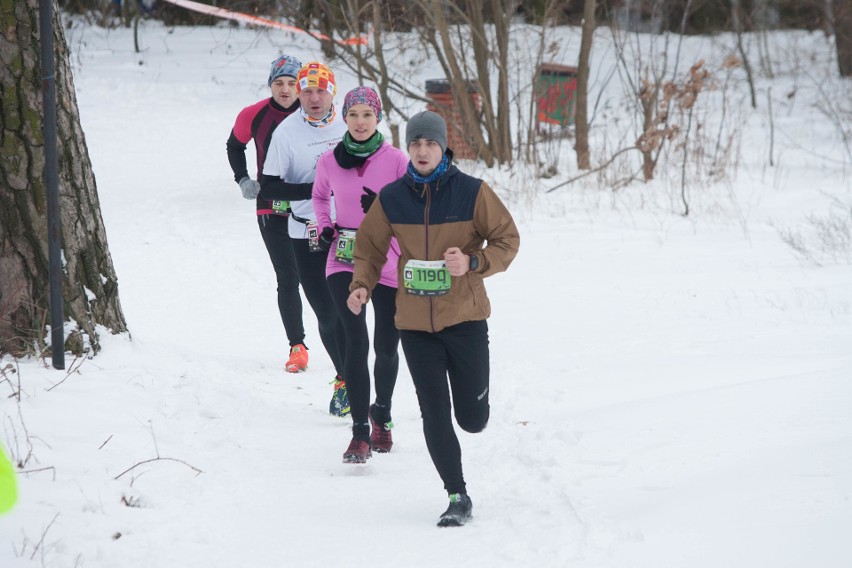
(667, 391)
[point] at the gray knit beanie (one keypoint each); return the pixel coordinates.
(284, 66)
(429, 126)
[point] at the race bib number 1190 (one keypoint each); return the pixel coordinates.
(426, 278)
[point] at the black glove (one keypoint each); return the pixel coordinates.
(367, 199)
(326, 238)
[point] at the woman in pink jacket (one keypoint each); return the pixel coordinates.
(350, 176)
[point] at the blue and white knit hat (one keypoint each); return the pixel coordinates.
(285, 65)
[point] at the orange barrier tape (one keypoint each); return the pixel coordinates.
(240, 17)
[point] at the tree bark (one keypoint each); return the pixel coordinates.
(470, 124)
(843, 36)
(89, 279)
(581, 115)
(502, 21)
(736, 13)
(382, 80)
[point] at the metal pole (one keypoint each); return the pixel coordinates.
(51, 179)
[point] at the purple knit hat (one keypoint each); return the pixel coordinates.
(363, 96)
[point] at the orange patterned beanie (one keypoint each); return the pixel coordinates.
(315, 74)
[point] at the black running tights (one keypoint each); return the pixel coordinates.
(311, 267)
(273, 229)
(385, 344)
(458, 353)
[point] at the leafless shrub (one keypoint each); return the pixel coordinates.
(132, 502)
(9, 374)
(822, 239)
(681, 139)
(38, 547)
(157, 458)
(17, 437)
(837, 108)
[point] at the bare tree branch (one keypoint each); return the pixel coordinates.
(143, 462)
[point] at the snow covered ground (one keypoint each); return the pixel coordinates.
(666, 391)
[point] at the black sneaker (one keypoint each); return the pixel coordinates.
(458, 513)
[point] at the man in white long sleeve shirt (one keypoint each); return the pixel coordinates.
(288, 175)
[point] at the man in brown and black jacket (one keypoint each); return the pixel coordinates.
(453, 231)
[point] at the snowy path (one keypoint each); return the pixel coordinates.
(665, 392)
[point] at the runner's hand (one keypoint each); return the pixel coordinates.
(367, 199)
(458, 263)
(325, 239)
(356, 299)
(249, 187)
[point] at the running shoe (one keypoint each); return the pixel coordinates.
(380, 435)
(357, 452)
(298, 360)
(339, 405)
(458, 513)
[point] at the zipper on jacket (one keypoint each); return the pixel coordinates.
(426, 232)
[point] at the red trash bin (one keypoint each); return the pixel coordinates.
(440, 91)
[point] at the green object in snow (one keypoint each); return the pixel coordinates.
(8, 485)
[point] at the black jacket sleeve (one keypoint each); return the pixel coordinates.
(237, 157)
(273, 188)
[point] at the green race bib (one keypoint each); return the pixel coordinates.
(280, 207)
(345, 246)
(426, 278)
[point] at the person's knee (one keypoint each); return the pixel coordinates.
(473, 422)
(358, 344)
(386, 352)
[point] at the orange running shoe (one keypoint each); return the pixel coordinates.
(298, 360)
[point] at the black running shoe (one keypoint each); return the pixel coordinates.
(458, 513)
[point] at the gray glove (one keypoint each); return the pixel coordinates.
(249, 187)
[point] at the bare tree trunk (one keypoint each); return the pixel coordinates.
(479, 122)
(366, 61)
(382, 79)
(503, 129)
(495, 120)
(648, 97)
(736, 10)
(89, 281)
(483, 123)
(843, 35)
(581, 116)
(467, 111)
(481, 56)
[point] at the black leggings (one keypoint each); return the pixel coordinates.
(311, 267)
(385, 344)
(459, 352)
(273, 229)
